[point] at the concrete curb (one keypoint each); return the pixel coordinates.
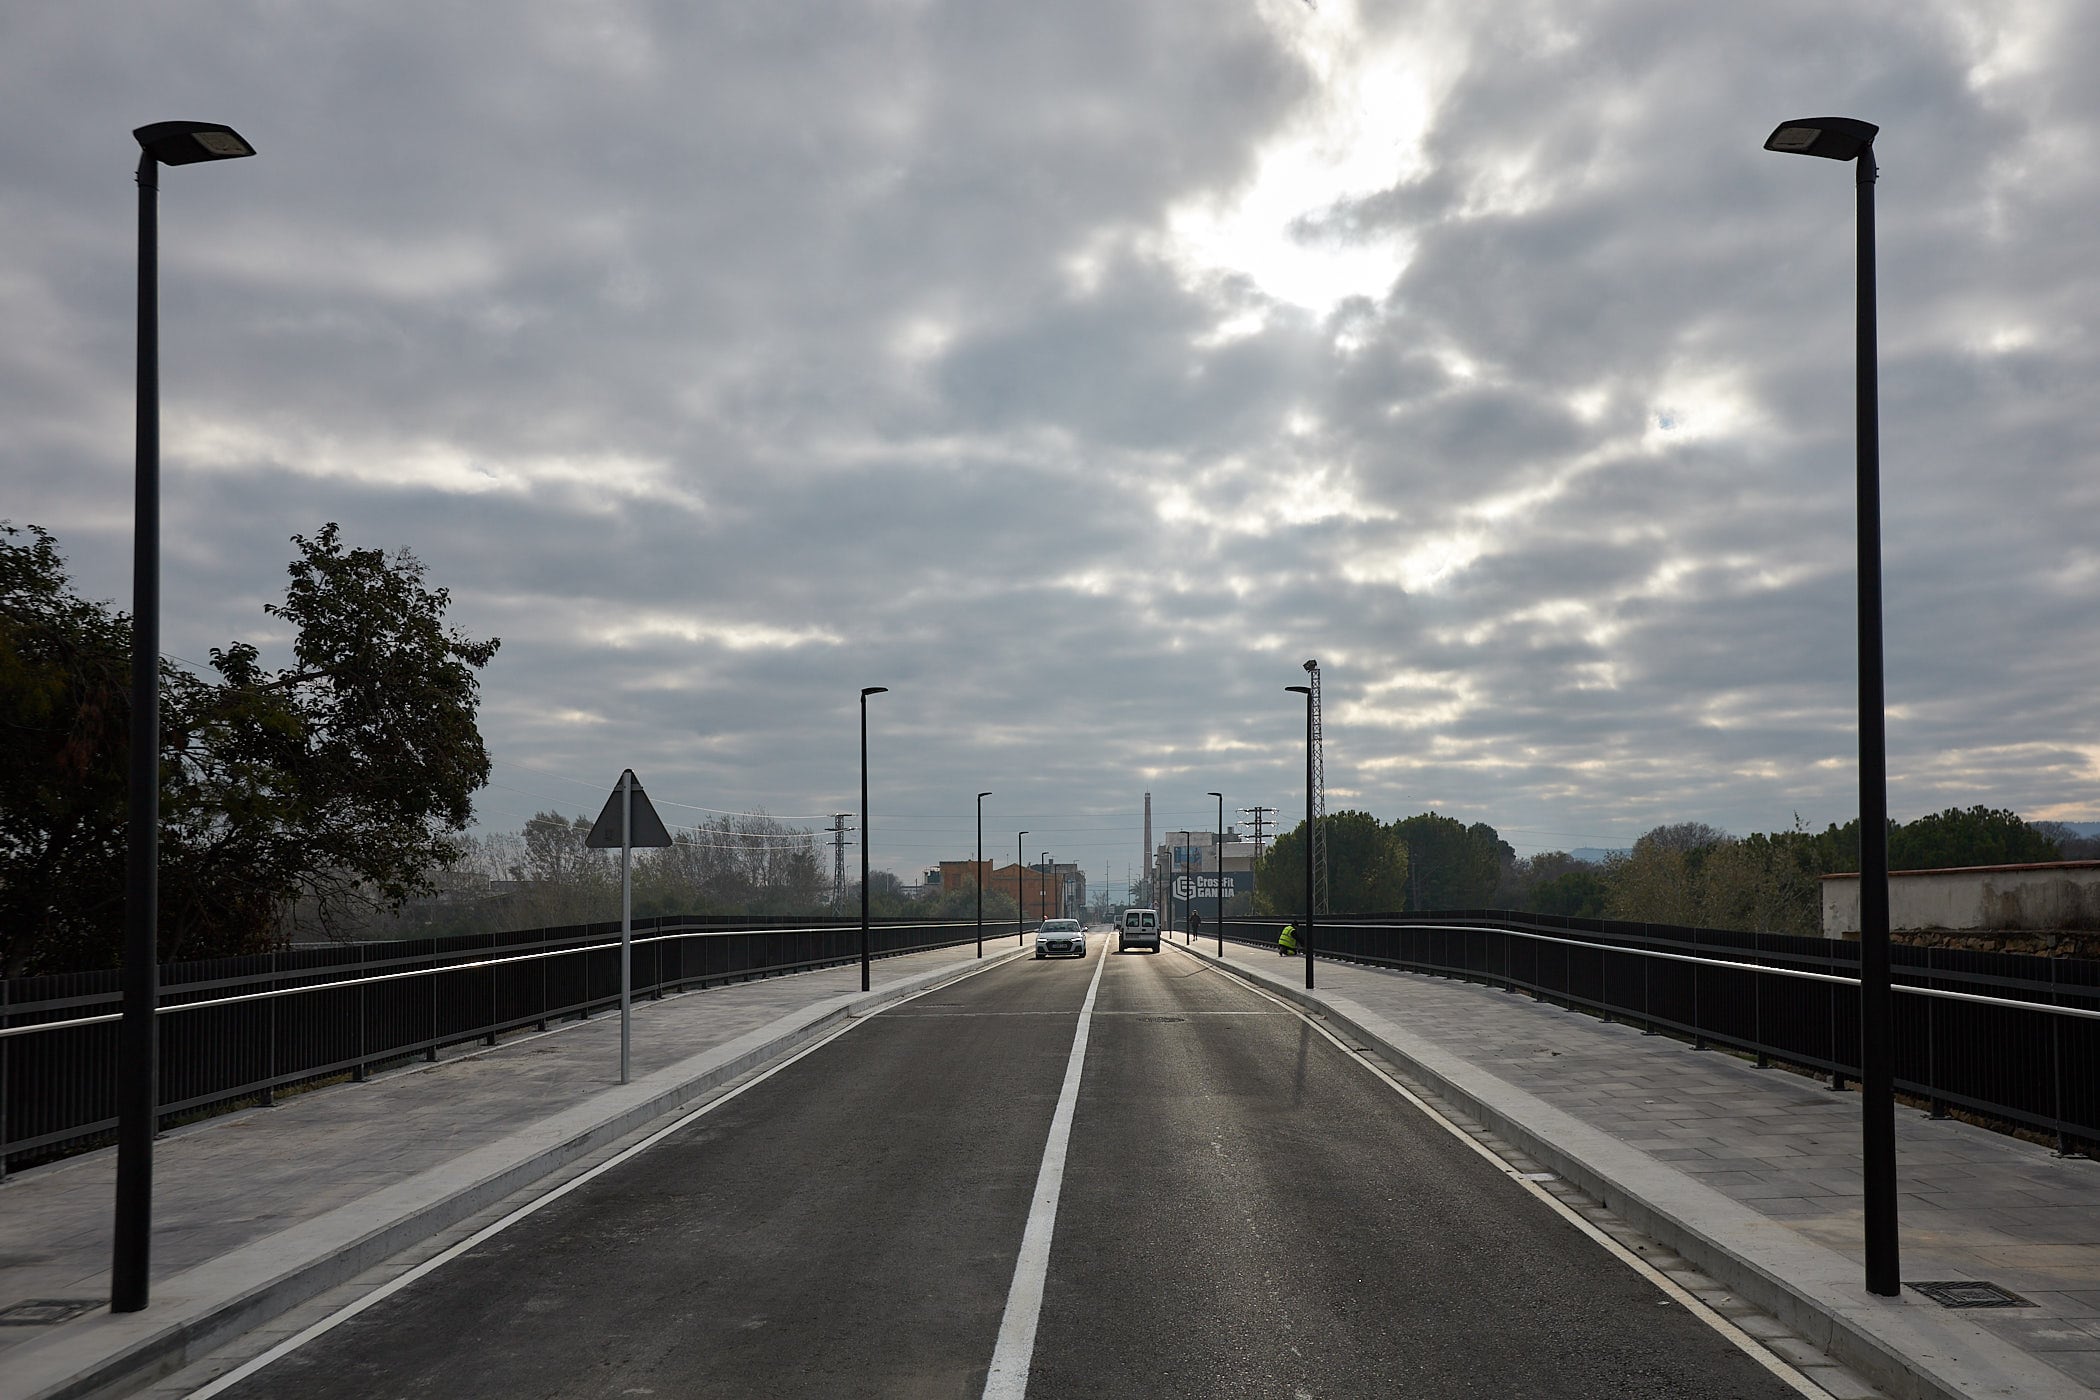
(197, 1310)
(1907, 1348)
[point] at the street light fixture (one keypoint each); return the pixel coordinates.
(1020, 909)
(1846, 138)
(138, 1043)
(1219, 888)
(866, 826)
(1305, 942)
(980, 872)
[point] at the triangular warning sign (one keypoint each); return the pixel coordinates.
(648, 827)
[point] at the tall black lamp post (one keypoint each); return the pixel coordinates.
(1844, 138)
(1042, 889)
(1218, 889)
(1305, 942)
(980, 872)
(866, 826)
(1020, 909)
(138, 1044)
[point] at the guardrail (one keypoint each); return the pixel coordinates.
(2008, 1036)
(239, 1028)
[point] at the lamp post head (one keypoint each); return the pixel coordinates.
(1300, 689)
(982, 795)
(1833, 138)
(867, 690)
(186, 143)
(1219, 795)
(1312, 666)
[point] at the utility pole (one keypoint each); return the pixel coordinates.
(838, 860)
(1258, 818)
(1316, 838)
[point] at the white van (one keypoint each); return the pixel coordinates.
(1139, 929)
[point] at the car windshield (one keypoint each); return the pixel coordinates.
(1060, 926)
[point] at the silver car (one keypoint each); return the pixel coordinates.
(1060, 938)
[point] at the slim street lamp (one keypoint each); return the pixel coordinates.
(1219, 888)
(980, 872)
(1845, 138)
(138, 1043)
(1020, 909)
(1305, 945)
(866, 826)
(1042, 888)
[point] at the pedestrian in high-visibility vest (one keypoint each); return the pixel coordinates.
(1287, 942)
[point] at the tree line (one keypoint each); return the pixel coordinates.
(1688, 873)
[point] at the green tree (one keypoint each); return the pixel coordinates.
(1576, 894)
(340, 780)
(1658, 881)
(1452, 865)
(1552, 882)
(1366, 868)
(1969, 836)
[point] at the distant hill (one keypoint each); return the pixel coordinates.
(2082, 828)
(1594, 855)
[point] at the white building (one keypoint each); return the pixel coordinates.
(2058, 897)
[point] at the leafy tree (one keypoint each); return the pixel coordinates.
(1552, 882)
(1452, 865)
(735, 863)
(1969, 836)
(1577, 894)
(340, 780)
(1366, 868)
(962, 904)
(555, 849)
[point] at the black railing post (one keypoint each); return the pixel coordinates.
(269, 1093)
(1932, 1053)
(2056, 1068)
(1698, 1013)
(5, 988)
(1647, 994)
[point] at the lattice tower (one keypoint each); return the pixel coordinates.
(1258, 818)
(838, 860)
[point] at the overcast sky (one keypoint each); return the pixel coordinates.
(1078, 369)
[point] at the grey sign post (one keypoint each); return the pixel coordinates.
(627, 821)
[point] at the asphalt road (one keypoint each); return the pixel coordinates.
(1244, 1212)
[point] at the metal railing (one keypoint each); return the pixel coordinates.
(2007, 1036)
(245, 1028)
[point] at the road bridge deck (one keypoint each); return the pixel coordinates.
(1750, 1173)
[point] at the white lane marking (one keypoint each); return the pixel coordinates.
(1743, 1341)
(388, 1290)
(1008, 1377)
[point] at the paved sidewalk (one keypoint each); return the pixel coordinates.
(1753, 1175)
(256, 1211)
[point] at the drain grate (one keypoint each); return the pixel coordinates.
(42, 1312)
(1964, 1294)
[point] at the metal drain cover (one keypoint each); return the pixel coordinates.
(1965, 1294)
(41, 1312)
